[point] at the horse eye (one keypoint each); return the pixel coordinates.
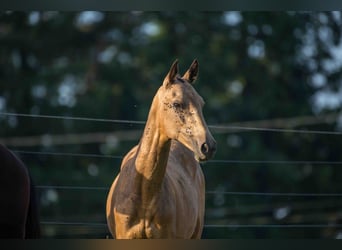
(176, 105)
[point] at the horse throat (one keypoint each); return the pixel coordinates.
(152, 155)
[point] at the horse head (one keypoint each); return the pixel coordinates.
(181, 114)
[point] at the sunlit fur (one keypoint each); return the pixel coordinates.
(160, 190)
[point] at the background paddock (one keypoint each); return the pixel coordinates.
(75, 89)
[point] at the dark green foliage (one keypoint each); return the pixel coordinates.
(255, 67)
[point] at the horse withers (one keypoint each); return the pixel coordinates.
(18, 205)
(160, 190)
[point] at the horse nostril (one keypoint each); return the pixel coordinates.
(205, 148)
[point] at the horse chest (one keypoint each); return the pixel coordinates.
(172, 213)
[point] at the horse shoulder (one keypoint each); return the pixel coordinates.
(128, 156)
(122, 187)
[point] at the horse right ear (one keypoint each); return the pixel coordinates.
(192, 73)
(170, 77)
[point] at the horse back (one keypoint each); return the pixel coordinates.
(17, 204)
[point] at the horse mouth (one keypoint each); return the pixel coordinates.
(203, 160)
(201, 157)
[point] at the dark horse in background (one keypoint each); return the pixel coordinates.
(18, 205)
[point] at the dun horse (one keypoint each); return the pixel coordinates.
(160, 190)
(18, 208)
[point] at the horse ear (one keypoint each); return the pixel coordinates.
(170, 77)
(192, 73)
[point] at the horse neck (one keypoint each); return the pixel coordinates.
(153, 153)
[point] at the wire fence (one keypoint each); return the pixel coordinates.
(73, 118)
(96, 224)
(87, 188)
(215, 127)
(212, 161)
(304, 162)
(218, 128)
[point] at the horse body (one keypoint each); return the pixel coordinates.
(160, 190)
(177, 211)
(18, 212)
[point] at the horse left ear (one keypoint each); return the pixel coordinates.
(192, 73)
(171, 76)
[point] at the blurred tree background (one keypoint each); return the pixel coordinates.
(263, 75)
